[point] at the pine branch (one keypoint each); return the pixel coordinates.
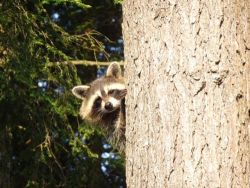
(88, 63)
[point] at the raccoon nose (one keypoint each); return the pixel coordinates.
(108, 106)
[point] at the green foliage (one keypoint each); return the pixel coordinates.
(43, 143)
(78, 3)
(118, 1)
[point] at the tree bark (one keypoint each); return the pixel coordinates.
(188, 101)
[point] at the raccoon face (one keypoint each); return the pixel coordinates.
(103, 96)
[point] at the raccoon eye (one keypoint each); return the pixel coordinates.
(112, 91)
(98, 101)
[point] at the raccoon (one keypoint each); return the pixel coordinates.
(103, 103)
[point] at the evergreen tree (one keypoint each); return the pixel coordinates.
(43, 142)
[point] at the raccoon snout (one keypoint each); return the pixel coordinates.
(108, 106)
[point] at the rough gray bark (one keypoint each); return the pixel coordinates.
(188, 101)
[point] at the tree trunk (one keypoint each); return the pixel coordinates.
(188, 102)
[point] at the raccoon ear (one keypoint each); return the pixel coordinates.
(114, 70)
(80, 91)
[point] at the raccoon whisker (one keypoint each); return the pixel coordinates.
(99, 114)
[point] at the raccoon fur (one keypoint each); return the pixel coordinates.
(103, 104)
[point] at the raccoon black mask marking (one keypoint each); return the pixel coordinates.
(103, 103)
